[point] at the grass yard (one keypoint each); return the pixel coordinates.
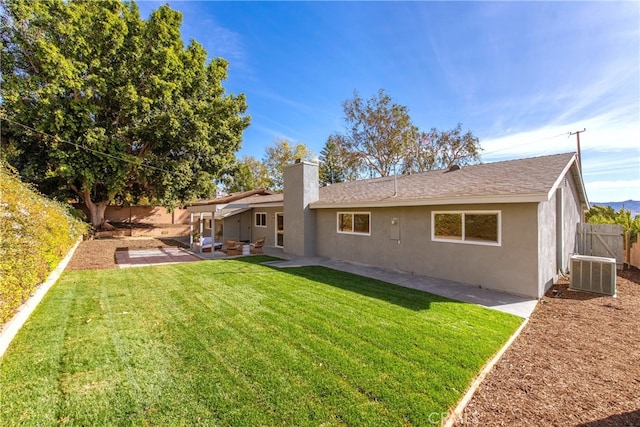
(233, 342)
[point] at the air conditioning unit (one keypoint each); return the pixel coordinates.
(593, 274)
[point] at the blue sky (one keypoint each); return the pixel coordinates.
(519, 75)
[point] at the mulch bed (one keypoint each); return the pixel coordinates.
(99, 254)
(577, 362)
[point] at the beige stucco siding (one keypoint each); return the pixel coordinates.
(243, 226)
(238, 227)
(510, 267)
(301, 188)
(573, 214)
(268, 231)
(558, 218)
(547, 259)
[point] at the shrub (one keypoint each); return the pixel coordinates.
(607, 215)
(35, 234)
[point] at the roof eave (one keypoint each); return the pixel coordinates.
(234, 212)
(573, 167)
(267, 205)
(516, 198)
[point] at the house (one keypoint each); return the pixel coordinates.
(508, 226)
(233, 217)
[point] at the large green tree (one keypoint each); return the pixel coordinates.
(378, 132)
(281, 154)
(104, 105)
(441, 149)
(380, 139)
(336, 163)
(249, 174)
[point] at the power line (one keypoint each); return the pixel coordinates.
(82, 147)
(525, 143)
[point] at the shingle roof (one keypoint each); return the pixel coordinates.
(232, 197)
(253, 201)
(236, 202)
(266, 198)
(521, 180)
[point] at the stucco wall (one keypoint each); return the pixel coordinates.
(547, 260)
(566, 200)
(238, 227)
(511, 267)
(245, 224)
(573, 214)
(142, 214)
(270, 230)
(230, 228)
(301, 188)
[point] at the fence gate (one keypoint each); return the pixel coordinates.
(601, 240)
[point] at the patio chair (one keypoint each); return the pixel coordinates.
(233, 247)
(205, 244)
(256, 248)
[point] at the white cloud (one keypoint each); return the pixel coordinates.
(596, 166)
(223, 42)
(613, 191)
(610, 150)
(612, 131)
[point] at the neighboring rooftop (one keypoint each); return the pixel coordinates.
(522, 180)
(233, 197)
(237, 202)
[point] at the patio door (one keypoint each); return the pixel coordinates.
(279, 229)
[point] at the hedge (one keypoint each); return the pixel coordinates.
(35, 234)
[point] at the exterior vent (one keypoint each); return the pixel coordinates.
(593, 274)
(454, 168)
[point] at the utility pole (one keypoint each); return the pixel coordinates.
(577, 134)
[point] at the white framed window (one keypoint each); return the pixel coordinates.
(472, 227)
(354, 223)
(261, 219)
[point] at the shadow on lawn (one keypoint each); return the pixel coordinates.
(411, 299)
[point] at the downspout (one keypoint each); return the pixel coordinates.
(560, 230)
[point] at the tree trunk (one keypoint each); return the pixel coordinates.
(96, 212)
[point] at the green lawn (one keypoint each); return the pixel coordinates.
(235, 343)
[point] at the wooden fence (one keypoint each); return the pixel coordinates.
(634, 253)
(603, 240)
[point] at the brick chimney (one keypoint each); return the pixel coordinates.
(300, 189)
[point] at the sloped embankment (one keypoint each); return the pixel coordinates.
(35, 234)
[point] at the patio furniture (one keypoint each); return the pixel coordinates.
(233, 247)
(207, 245)
(256, 248)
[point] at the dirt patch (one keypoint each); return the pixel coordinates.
(577, 363)
(99, 254)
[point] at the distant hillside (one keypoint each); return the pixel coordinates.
(630, 205)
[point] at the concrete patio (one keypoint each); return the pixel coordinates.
(153, 256)
(513, 304)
